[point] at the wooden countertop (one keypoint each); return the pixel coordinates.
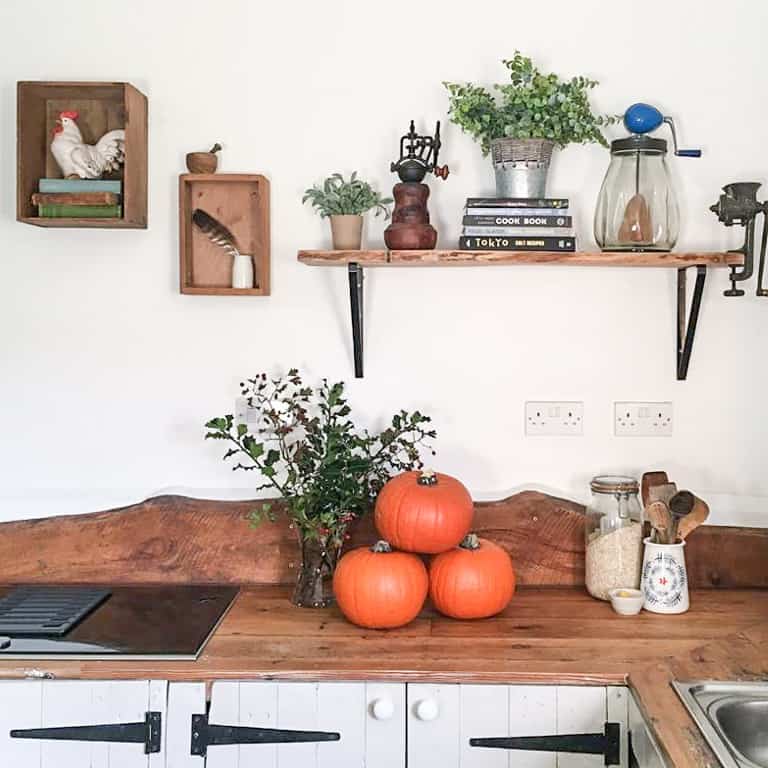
(556, 635)
(552, 631)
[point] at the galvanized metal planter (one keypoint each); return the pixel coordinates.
(521, 166)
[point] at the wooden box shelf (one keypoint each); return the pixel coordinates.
(240, 202)
(102, 107)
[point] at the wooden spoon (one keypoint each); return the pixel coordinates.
(661, 521)
(649, 480)
(680, 505)
(693, 519)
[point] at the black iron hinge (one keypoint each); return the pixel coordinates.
(607, 743)
(205, 735)
(146, 733)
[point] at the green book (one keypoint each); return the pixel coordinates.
(80, 211)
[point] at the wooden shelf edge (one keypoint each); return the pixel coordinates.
(71, 223)
(444, 258)
(193, 290)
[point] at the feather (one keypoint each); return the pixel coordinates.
(215, 231)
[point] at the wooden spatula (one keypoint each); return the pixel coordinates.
(661, 520)
(649, 480)
(662, 492)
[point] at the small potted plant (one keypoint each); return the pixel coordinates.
(524, 121)
(345, 202)
(326, 470)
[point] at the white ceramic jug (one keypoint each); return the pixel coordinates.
(664, 579)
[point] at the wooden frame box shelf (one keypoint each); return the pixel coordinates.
(102, 107)
(241, 203)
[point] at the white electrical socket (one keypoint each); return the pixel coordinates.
(554, 418)
(642, 419)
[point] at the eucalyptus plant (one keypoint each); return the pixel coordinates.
(306, 447)
(339, 197)
(533, 105)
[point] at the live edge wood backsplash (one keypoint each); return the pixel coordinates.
(174, 539)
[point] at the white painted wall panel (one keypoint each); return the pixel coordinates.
(97, 347)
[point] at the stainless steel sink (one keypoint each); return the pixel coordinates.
(733, 717)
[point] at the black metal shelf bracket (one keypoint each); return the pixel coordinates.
(356, 306)
(146, 733)
(686, 326)
(205, 735)
(607, 743)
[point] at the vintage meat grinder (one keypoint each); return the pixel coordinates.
(739, 205)
(410, 228)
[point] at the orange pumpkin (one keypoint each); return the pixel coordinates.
(473, 581)
(423, 512)
(380, 589)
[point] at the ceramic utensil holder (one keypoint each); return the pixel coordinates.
(664, 578)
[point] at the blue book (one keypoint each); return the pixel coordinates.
(80, 185)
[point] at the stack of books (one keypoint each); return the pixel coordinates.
(517, 224)
(78, 199)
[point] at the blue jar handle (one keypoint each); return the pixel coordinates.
(688, 153)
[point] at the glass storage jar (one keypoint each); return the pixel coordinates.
(614, 535)
(637, 206)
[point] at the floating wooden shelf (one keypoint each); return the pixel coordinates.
(445, 258)
(102, 107)
(239, 201)
(685, 332)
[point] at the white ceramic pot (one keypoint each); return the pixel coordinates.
(242, 271)
(664, 578)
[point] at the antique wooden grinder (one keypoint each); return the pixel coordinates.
(410, 228)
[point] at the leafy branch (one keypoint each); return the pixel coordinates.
(306, 447)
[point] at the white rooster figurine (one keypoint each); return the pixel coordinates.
(78, 160)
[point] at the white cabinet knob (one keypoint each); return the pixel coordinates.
(382, 709)
(426, 710)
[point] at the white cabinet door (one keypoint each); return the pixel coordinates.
(53, 704)
(443, 718)
(368, 717)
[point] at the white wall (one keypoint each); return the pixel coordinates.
(108, 373)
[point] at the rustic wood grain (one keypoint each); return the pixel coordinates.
(239, 201)
(542, 636)
(439, 258)
(175, 540)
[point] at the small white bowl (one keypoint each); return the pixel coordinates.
(625, 601)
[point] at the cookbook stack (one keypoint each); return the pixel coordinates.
(78, 199)
(517, 224)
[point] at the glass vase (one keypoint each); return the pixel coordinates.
(314, 580)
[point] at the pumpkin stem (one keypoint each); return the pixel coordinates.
(471, 541)
(427, 477)
(381, 546)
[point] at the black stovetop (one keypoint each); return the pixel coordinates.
(129, 622)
